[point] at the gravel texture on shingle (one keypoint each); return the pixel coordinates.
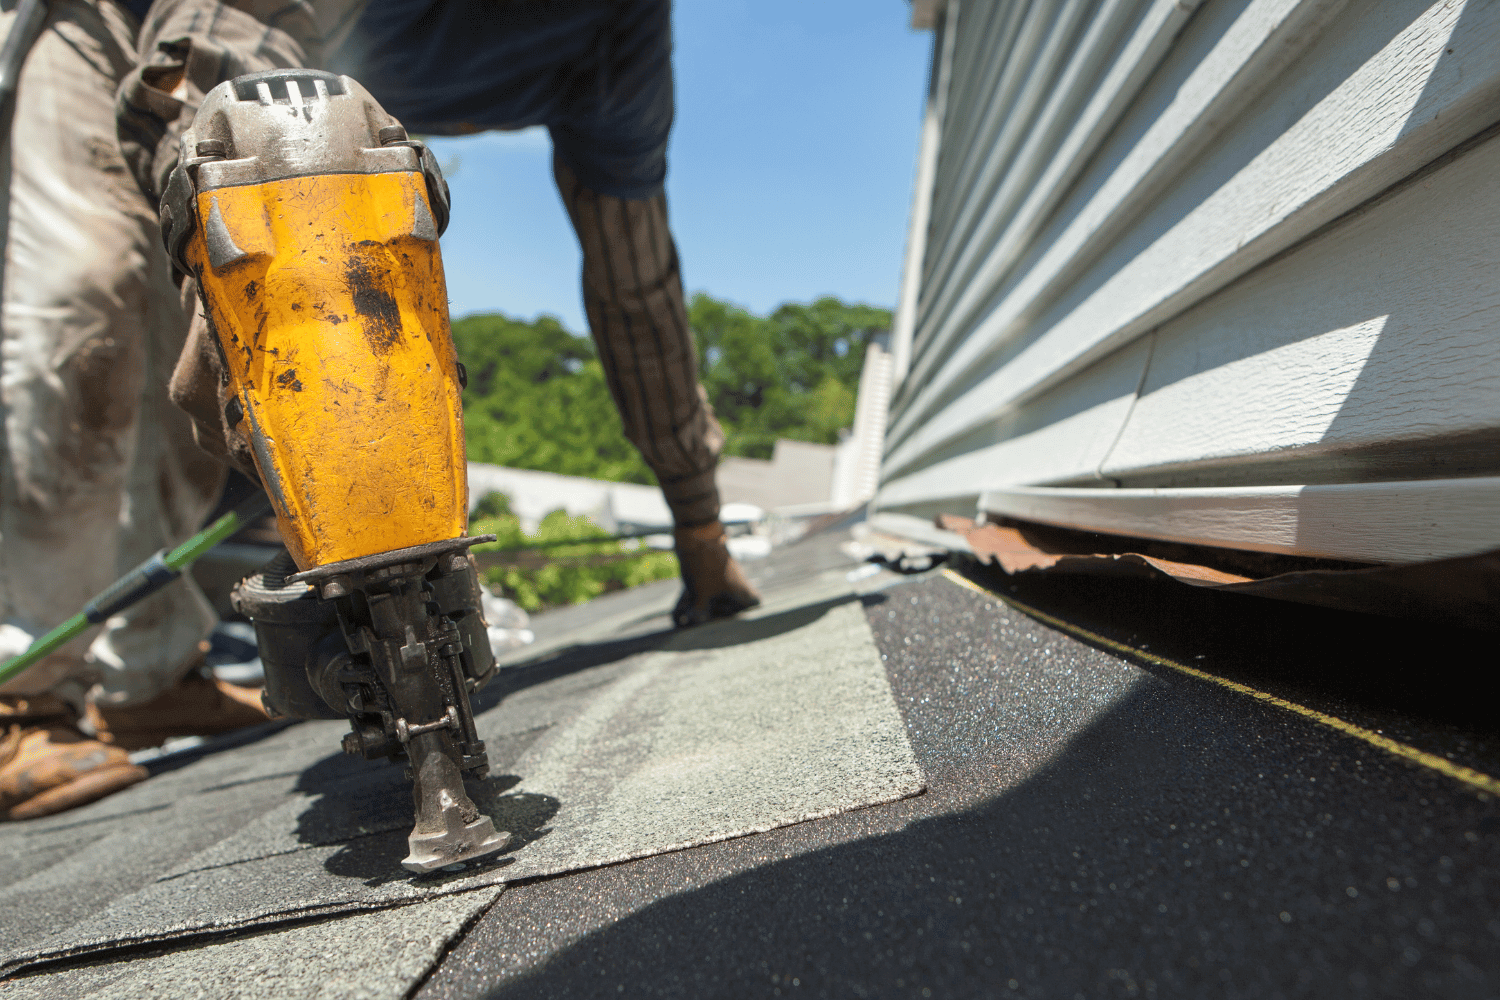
(359, 957)
(649, 741)
(1091, 828)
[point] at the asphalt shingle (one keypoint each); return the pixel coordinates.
(1093, 826)
(667, 741)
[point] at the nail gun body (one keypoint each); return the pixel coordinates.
(311, 220)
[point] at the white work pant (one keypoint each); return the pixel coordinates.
(97, 468)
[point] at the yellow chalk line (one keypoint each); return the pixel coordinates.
(1476, 780)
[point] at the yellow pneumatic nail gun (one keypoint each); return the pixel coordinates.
(311, 220)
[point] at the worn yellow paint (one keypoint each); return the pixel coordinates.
(1476, 780)
(334, 324)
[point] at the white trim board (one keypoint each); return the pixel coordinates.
(1367, 522)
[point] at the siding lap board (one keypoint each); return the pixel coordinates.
(1385, 330)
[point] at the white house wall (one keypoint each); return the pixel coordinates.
(1064, 435)
(1278, 215)
(1385, 332)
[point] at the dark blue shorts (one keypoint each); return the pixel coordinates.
(597, 73)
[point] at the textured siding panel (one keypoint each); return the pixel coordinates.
(1279, 215)
(1064, 436)
(1380, 337)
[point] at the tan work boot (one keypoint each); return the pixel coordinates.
(47, 765)
(713, 585)
(194, 706)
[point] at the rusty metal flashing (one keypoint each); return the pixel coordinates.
(1462, 591)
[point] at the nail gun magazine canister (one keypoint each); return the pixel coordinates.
(311, 221)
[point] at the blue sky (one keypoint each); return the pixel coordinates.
(789, 172)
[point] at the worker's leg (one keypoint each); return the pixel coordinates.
(86, 491)
(83, 490)
(611, 168)
(632, 292)
(170, 488)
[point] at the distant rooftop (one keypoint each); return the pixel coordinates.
(797, 474)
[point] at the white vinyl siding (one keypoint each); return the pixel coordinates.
(1251, 245)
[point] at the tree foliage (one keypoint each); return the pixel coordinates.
(537, 398)
(573, 573)
(792, 374)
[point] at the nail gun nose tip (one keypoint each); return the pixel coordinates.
(456, 846)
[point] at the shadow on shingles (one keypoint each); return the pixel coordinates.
(969, 876)
(524, 814)
(365, 807)
(738, 632)
(218, 744)
(1162, 837)
(376, 859)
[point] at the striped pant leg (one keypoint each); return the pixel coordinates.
(632, 293)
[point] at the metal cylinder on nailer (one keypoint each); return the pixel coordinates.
(294, 634)
(311, 223)
(456, 591)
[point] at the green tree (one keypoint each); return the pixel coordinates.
(537, 399)
(792, 374)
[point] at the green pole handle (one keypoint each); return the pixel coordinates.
(140, 583)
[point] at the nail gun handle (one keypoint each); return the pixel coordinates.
(168, 564)
(140, 583)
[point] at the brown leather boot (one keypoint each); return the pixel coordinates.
(194, 706)
(47, 765)
(713, 585)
